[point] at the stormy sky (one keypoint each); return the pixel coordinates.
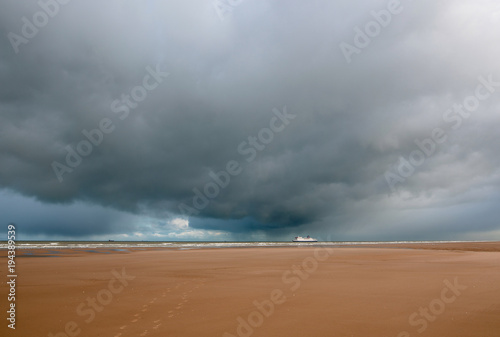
(250, 120)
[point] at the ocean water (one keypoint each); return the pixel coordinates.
(192, 245)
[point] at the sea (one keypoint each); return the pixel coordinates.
(196, 244)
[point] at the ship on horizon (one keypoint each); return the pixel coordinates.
(306, 239)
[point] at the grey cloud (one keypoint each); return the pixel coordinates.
(353, 120)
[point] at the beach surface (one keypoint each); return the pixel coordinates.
(378, 290)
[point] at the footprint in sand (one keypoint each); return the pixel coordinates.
(137, 315)
(134, 320)
(156, 326)
(144, 333)
(157, 321)
(123, 327)
(171, 311)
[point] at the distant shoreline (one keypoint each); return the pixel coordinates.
(110, 247)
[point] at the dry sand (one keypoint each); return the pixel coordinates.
(441, 290)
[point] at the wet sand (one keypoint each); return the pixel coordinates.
(404, 290)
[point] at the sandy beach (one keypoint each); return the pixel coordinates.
(404, 290)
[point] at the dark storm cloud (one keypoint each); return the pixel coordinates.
(35, 220)
(353, 120)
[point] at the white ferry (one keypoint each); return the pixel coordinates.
(301, 239)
